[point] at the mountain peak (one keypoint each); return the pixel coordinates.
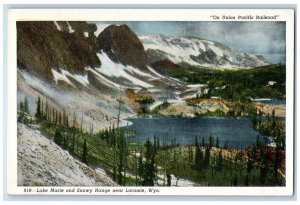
(122, 45)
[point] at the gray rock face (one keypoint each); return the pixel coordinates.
(42, 163)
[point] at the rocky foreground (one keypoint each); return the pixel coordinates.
(42, 163)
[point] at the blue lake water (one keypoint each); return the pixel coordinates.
(271, 101)
(236, 133)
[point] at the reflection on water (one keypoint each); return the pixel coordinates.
(235, 133)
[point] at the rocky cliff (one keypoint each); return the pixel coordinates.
(42, 46)
(122, 45)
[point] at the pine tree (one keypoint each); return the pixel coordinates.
(84, 153)
(22, 107)
(211, 141)
(53, 115)
(26, 109)
(198, 156)
(149, 166)
(207, 156)
(220, 161)
(258, 143)
(140, 165)
(217, 142)
(249, 164)
(168, 179)
(46, 111)
(203, 142)
(38, 113)
(121, 148)
(58, 137)
(42, 109)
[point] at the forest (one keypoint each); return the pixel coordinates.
(240, 85)
(128, 163)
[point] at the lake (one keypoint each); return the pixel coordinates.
(236, 133)
(270, 101)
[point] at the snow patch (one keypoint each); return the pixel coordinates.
(83, 79)
(272, 83)
(155, 73)
(86, 34)
(105, 80)
(216, 50)
(71, 30)
(112, 69)
(100, 28)
(61, 77)
(57, 25)
(195, 86)
(178, 50)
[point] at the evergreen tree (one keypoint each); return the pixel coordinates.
(58, 137)
(42, 109)
(198, 156)
(149, 166)
(26, 109)
(38, 113)
(217, 142)
(140, 165)
(22, 107)
(207, 156)
(84, 153)
(53, 115)
(249, 164)
(211, 141)
(168, 179)
(56, 117)
(220, 161)
(258, 143)
(121, 148)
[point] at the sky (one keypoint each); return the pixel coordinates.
(259, 38)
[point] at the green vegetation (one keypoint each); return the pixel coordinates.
(212, 166)
(205, 163)
(241, 85)
(271, 126)
(24, 112)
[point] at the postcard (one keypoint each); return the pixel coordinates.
(150, 102)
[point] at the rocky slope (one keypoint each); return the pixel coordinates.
(43, 46)
(42, 163)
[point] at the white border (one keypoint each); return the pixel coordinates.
(286, 15)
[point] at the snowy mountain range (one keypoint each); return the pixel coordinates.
(84, 69)
(197, 52)
(68, 61)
